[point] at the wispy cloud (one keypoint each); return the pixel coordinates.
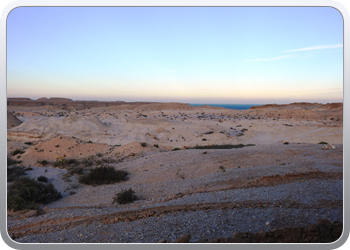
(269, 59)
(317, 47)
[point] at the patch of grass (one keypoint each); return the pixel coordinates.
(42, 178)
(143, 144)
(27, 193)
(103, 175)
(125, 197)
(87, 162)
(66, 177)
(13, 173)
(223, 146)
(76, 170)
(60, 162)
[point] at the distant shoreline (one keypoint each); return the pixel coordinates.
(229, 106)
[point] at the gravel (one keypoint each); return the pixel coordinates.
(307, 194)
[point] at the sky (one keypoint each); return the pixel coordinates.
(226, 55)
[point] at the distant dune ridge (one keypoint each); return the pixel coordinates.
(193, 169)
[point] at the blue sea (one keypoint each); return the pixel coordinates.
(229, 106)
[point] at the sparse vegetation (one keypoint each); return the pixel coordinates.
(323, 142)
(156, 145)
(125, 197)
(286, 143)
(27, 193)
(76, 170)
(103, 175)
(208, 133)
(11, 161)
(204, 152)
(28, 143)
(174, 149)
(223, 146)
(17, 151)
(87, 162)
(43, 162)
(143, 144)
(42, 178)
(15, 172)
(60, 162)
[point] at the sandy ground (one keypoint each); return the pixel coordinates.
(141, 139)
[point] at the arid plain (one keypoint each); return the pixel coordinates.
(272, 173)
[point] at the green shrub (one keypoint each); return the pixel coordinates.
(103, 175)
(42, 178)
(14, 172)
(60, 162)
(156, 145)
(125, 196)
(28, 143)
(176, 149)
(27, 193)
(143, 144)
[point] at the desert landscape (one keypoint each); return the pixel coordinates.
(271, 173)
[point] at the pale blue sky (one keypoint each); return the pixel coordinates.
(195, 54)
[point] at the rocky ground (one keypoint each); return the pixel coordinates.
(279, 186)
